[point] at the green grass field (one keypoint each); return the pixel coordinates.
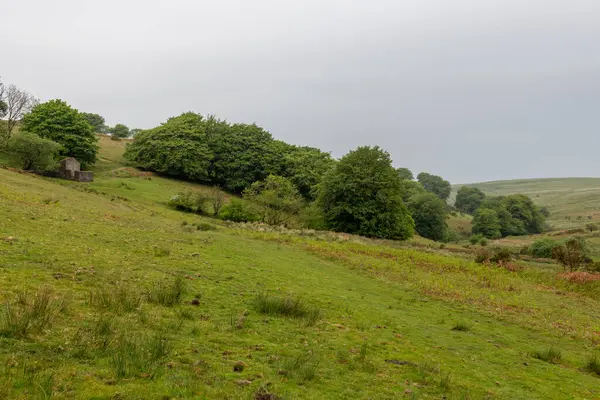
(573, 202)
(108, 294)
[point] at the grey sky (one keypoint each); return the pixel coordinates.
(472, 90)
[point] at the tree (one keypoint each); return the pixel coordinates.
(133, 132)
(18, 103)
(429, 213)
(57, 121)
(209, 150)
(305, 167)
(571, 254)
(96, 121)
(468, 199)
(405, 174)
(120, 131)
(277, 199)
(486, 223)
(177, 148)
(362, 194)
(32, 153)
(3, 105)
(435, 184)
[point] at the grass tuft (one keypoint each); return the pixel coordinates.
(27, 315)
(551, 355)
(287, 306)
(593, 365)
(462, 326)
(167, 295)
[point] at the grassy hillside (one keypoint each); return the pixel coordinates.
(573, 202)
(109, 294)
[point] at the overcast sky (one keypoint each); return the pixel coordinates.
(473, 90)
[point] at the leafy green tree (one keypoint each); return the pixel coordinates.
(120, 131)
(411, 189)
(486, 223)
(305, 167)
(517, 214)
(405, 174)
(95, 120)
(277, 199)
(435, 184)
(429, 213)
(468, 199)
(177, 148)
(59, 122)
(32, 153)
(362, 194)
(242, 154)
(133, 132)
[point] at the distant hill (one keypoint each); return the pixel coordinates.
(573, 202)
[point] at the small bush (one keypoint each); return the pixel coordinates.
(461, 326)
(476, 238)
(501, 256)
(593, 365)
(238, 211)
(483, 242)
(205, 226)
(542, 248)
(591, 227)
(32, 153)
(483, 256)
(551, 355)
(190, 201)
(167, 295)
(288, 306)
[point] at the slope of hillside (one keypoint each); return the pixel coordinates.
(146, 302)
(573, 202)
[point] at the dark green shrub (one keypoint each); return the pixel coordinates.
(238, 211)
(476, 238)
(543, 248)
(483, 242)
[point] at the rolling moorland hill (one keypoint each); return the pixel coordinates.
(572, 202)
(109, 294)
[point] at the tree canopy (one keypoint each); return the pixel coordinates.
(515, 214)
(429, 213)
(405, 174)
(468, 199)
(362, 194)
(59, 122)
(120, 131)
(95, 120)
(232, 156)
(435, 184)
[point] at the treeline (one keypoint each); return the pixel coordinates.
(362, 193)
(233, 156)
(501, 216)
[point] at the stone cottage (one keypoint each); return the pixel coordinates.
(70, 169)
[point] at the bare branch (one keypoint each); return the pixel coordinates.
(19, 103)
